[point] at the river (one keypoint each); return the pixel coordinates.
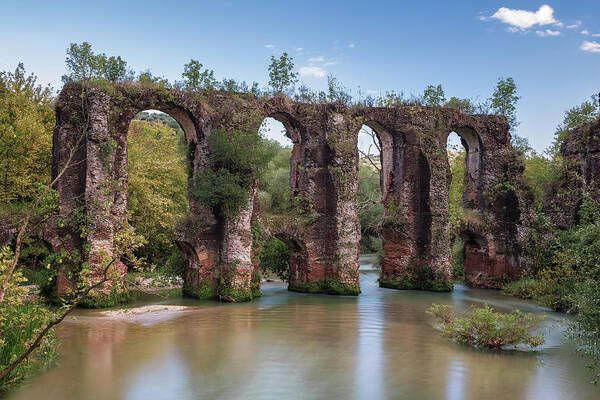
(285, 345)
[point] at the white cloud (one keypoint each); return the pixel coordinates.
(596, 34)
(482, 18)
(313, 71)
(585, 32)
(547, 32)
(524, 19)
(512, 29)
(269, 46)
(576, 25)
(329, 63)
(316, 59)
(299, 49)
(352, 45)
(372, 92)
(590, 47)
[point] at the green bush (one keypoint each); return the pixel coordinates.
(19, 327)
(485, 328)
(585, 329)
(237, 157)
(20, 323)
(524, 288)
(274, 257)
(458, 269)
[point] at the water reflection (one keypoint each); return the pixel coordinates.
(369, 382)
(297, 346)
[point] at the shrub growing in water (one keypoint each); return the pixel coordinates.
(483, 327)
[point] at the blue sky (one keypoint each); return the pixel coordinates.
(548, 47)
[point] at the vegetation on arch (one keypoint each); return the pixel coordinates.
(237, 158)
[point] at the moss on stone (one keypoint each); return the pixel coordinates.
(343, 289)
(203, 291)
(238, 295)
(255, 284)
(418, 278)
(307, 287)
(104, 300)
(326, 287)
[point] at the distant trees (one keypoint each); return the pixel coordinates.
(274, 187)
(157, 190)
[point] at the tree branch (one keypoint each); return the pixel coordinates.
(368, 157)
(28, 218)
(54, 322)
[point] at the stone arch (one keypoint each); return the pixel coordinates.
(298, 274)
(492, 201)
(386, 144)
(474, 167)
(297, 134)
(324, 183)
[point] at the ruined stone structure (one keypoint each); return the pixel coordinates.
(415, 185)
(322, 229)
(580, 153)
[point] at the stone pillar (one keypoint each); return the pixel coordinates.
(238, 281)
(407, 227)
(87, 190)
(69, 134)
(324, 238)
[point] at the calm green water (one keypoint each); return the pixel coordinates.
(286, 345)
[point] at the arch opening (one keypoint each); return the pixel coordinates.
(159, 166)
(464, 198)
(275, 182)
(375, 146)
(272, 254)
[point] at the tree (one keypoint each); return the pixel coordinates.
(521, 145)
(390, 99)
(463, 105)
(281, 73)
(237, 158)
(26, 123)
(112, 68)
(83, 65)
(504, 100)
(194, 78)
(434, 96)
(336, 93)
(586, 111)
(157, 195)
(538, 174)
